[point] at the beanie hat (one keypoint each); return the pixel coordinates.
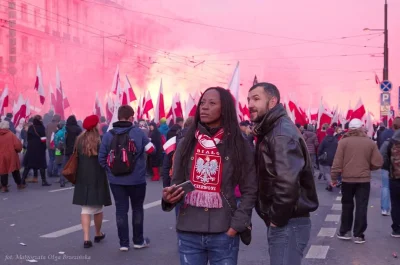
(90, 122)
(163, 120)
(330, 131)
(355, 124)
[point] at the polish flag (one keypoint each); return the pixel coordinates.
(170, 115)
(149, 148)
(39, 85)
(369, 125)
(177, 107)
(159, 112)
(170, 145)
(97, 107)
(19, 110)
(53, 100)
(65, 101)
(109, 109)
(324, 116)
(4, 100)
(193, 101)
(129, 90)
(377, 81)
(59, 106)
(116, 82)
(359, 111)
(299, 115)
(148, 105)
(389, 117)
(139, 109)
(234, 87)
(349, 112)
(335, 115)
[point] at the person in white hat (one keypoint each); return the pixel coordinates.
(355, 157)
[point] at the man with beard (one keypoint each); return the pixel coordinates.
(287, 192)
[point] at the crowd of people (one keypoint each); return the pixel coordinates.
(268, 163)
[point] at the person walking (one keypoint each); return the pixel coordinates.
(326, 154)
(35, 156)
(390, 151)
(72, 131)
(287, 191)
(91, 191)
(10, 146)
(122, 154)
(215, 158)
(51, 129)
(156, 159)
(355, 157)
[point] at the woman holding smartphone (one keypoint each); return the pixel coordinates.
(215, 158)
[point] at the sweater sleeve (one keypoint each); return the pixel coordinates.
(337, 165)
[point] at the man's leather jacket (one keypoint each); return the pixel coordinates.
(284, 169)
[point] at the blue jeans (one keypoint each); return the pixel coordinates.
(199, 249)
(136, 194)
(51, 170)
(287, 244)
(385, 195)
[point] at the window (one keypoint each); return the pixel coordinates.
(24, 12)
(36, 17)
(24, 43)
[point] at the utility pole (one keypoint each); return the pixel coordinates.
(386, 48)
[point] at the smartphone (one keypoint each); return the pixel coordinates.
(186, 186)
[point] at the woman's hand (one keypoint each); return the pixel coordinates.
(172, 195)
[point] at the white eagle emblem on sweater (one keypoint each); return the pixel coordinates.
(207, 169)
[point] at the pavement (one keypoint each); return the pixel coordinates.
(41, 224)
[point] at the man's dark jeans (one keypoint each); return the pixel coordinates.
(394, 187)
(136, 194)
(359, 191)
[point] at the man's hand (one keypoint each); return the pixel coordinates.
(172, 194)
(272, 225)
(334, 183)
(231, 232)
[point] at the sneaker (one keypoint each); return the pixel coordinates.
(123, 249)
(345, 236)
(145, 244)
(359, 240)
(385, 213)
(395, 234)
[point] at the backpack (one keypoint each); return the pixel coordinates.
(394, 159)
(122, 156)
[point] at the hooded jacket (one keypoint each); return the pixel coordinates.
(328, 145)
(284, 169)
(355, 157)
(143, 145)
(10, 146)
(311, 141)
(164, 129)
(72, 130)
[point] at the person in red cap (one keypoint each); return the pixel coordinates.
(91, 191)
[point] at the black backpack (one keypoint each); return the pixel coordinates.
(122, 156)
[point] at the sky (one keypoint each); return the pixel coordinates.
(311, 50)
(308, 49)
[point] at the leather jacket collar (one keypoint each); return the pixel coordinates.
(269, 119)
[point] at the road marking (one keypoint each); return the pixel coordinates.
(76, 228)
(328, 232)
(332, 218)
(337, 207)
(67, 231)
(152, 204)
(317, 252)
(339, 198)
(62, 189)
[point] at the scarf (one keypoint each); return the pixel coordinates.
(206, 172)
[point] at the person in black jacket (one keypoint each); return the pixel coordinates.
(156, 159)
(35, 157)
(326, 154)
(287, 191)
(72, 131)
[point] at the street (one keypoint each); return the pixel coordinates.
(45, 221)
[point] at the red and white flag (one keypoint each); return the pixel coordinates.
(359, 111)
(39, 85)
(4, 100)
(177, 107)
(20, 110)
(170, 145)
(109, 109)
(149, 148)
(234, 87)
(159, 112)
(377, 81)
(324, 116)
(191, 106)
(59, 106)
(97, 107)
(116, 82)
(129, 90)
(148, 105)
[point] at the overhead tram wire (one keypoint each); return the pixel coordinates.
(213, 26)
